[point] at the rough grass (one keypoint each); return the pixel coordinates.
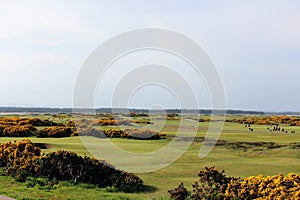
(64, 190)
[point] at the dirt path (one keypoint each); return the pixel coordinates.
(5, 198)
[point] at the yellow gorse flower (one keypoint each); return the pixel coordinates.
(270, 187)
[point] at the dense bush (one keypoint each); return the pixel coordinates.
(212, 184)
(21, 127)
(269, 120)
(127, 182)
(118, 133)
(133, 114)
(25, 121)
(107, 122)
(124, 122)
(172, 115)
(260, 187)
(9, 121)
(179, 193)
(23, 160)
(142, 121)
(88, 131)
(204, 120)
(143, 134)
(16, 130)
(70, 124)
(111, 122)
(57, 132)
(106, 115)
(18, 156)
(15, 151)
(64, 165)
(133, 133)
(39, 122)
(115, 133)
(215, 185)
(118, 122)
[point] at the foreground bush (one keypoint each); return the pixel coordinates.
(212, 184)
(270, 187)
(179, 193)
(23, 160)
(17, 157)
(215, 185)
(64, 165)
(12, 153)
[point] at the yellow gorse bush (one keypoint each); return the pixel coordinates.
(214, 184)
(294, 121)
(270, 187)
(23, 159)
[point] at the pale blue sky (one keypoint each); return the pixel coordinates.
(254, 44)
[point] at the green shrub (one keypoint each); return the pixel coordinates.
(260, 187)
(57, 132)
(18, 158)
(127, 182)
(64, 165)
(88, 131)
(172, 115)
(212, 184)
(23, 160)
(70, 124)
(39, 122)
(17, 152)
(142, 121)
(133, 114)
(16, 130)
(179, 193)
(107, 122)
(25, 121)
(144, 134)
(115, 133)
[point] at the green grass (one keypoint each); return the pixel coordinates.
(64, 190)
(235, 162)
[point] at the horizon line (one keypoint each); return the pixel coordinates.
(206, 109)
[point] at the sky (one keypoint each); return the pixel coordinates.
(255, 46)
